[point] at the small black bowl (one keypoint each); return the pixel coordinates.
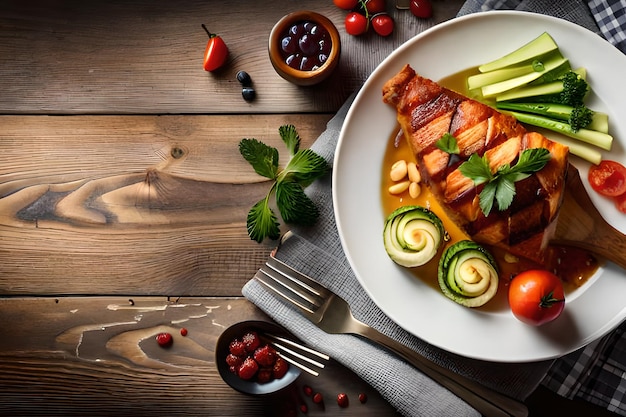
(251, 387)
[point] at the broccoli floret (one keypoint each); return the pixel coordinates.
(574, 89)
(580, 117)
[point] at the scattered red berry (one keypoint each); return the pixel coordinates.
(308, 391)
(248, 369)
(342, 400)
(318, 398)
(304, 408)
(265, 355)
(421, 8)
(237, 347)
(382, 24)
(356, 24)
(363, 398)
(164, 339)
(183, 332)
(251, 341)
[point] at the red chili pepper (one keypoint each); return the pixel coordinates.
(215, 53)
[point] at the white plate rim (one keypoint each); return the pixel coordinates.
(496, 336)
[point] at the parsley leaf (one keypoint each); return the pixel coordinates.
(304, 167)
(477, 169)
(448, 143)
(500, 187)
(290, 136)
(263, 158)
(294, 205)
(262, 222)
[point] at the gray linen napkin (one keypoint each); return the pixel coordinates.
(317, 252)
(595, 373)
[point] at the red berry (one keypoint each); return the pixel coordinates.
(251, 340)
(248, 369)
(356, 24)
(342, 400)
(265, 355)
(304, 408)
(164, 339)
(264, 375)
(308, 391)
(363, 398)
(183, 332)
(318, 398)
(237, 347)
(421, 8)
(280, 368)
(234, 360)
(382, 24)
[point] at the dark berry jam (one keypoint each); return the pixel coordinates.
(305, 46)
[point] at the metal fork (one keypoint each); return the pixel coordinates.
(332, 314)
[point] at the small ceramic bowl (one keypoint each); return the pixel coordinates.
(251, 387)
(304, 47)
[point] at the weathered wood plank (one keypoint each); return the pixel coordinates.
(98, 356)
(143, 205)
(146, 57)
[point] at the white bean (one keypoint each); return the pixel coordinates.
(414, 190)
(399, 188)
(398, 170)
(414, 173)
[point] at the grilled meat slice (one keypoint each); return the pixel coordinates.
(426, 111)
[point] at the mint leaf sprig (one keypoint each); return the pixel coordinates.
(500, 186)
(304, 167)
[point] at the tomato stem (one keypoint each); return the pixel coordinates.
(211, 35)
(548, 300)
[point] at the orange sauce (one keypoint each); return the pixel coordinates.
(574, 266)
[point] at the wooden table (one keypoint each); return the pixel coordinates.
(123, 198)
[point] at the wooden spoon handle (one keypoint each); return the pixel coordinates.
(581, 225)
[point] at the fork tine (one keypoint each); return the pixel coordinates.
(297, 277)
(301, 360)
(278, 287)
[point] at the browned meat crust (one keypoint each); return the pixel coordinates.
(426, 111)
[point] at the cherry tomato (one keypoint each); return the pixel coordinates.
(608, 178)
(536, 297)
(215, 53)
(346, 4)
(356, 23)
(421, 8)
(375, 6)
(382, 24)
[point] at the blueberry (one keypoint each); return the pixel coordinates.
(248, 93)
(244, 78)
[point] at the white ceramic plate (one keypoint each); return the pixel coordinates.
(489, 334)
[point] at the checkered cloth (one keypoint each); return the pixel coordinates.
(610, 16)
(605, 17)
(597, 372)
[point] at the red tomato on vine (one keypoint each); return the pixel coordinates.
(356, 23)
